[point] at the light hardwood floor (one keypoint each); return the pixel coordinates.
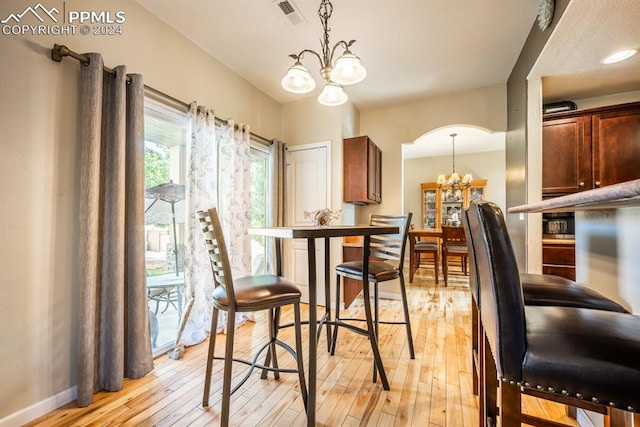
(434, 389)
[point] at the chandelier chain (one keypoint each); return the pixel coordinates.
(347, 69)
(325, 11)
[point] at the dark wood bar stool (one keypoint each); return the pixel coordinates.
(538, 289)
(246, 294)
(581, 357)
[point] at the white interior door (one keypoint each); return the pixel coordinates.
(307, 189)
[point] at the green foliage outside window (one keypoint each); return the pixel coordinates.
(156, 164)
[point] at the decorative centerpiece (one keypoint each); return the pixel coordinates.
(322, 217)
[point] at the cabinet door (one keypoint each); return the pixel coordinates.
(374, 172)
(451, 206)
(566, 155)
(616, 147)
(429, 208)
(362, 161)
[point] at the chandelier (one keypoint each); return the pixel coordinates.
(454, 185)
(347, 70)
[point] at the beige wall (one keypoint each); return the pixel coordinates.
(390, 127)
(39, 155)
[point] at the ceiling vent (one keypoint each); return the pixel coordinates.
(291, 11)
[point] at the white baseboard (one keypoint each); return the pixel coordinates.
(39, 409)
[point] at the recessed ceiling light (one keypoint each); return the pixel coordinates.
(619, 56)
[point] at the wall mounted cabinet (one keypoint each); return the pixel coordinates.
(362, 165)
(587, 149)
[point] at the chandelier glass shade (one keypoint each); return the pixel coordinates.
(347, 70)
(332, 94)
(453, 182)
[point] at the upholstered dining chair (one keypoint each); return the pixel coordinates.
(454, 245)
(429, 249)
(250, 293)
(386, 263)
(581, 357)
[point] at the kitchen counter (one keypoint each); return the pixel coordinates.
(621, 195)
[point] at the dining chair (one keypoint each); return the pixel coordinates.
(385, 263)
(582, 357)
(428, 248)
(246, 294)
(454, 245)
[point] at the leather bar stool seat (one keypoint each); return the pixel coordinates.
(550, 290)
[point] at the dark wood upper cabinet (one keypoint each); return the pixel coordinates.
(587, 149)
(566, 155)
(362, 160)
(616, 146)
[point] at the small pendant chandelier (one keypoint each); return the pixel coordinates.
(347, 70)
(454, 184)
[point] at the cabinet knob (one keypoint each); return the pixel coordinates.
(597, 183)
(581, 184)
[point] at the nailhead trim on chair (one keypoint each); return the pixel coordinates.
(564, 392)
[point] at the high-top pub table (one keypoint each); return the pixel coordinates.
(310, 233)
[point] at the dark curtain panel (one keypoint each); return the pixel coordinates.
(113, 339)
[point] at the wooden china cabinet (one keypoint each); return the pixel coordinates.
(438, 204)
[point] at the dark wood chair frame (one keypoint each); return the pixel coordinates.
(454, 245)
(506, 405)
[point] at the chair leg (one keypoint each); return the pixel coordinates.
(210, 354)
(228, 365)
(435, 265)
(407, 321)
(475, 347)
(488, 397)
(299, 353)
(376, 321)
(445, 269)
(510, 405)
(334, 339)
(619, 418)
(373, 339)
(274, 321)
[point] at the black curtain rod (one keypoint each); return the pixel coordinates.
(60, 51)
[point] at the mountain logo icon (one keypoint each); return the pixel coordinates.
(38, 11)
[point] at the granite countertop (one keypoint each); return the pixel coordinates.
(614, 196)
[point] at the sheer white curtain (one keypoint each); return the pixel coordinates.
(202, 193)
(235, 194)
(218, 174)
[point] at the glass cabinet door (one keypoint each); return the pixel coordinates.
(451, 206)
(429, 208)
(476, 193)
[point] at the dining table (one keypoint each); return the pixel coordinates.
(417, 234)
(167, 288)
(311, 233)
